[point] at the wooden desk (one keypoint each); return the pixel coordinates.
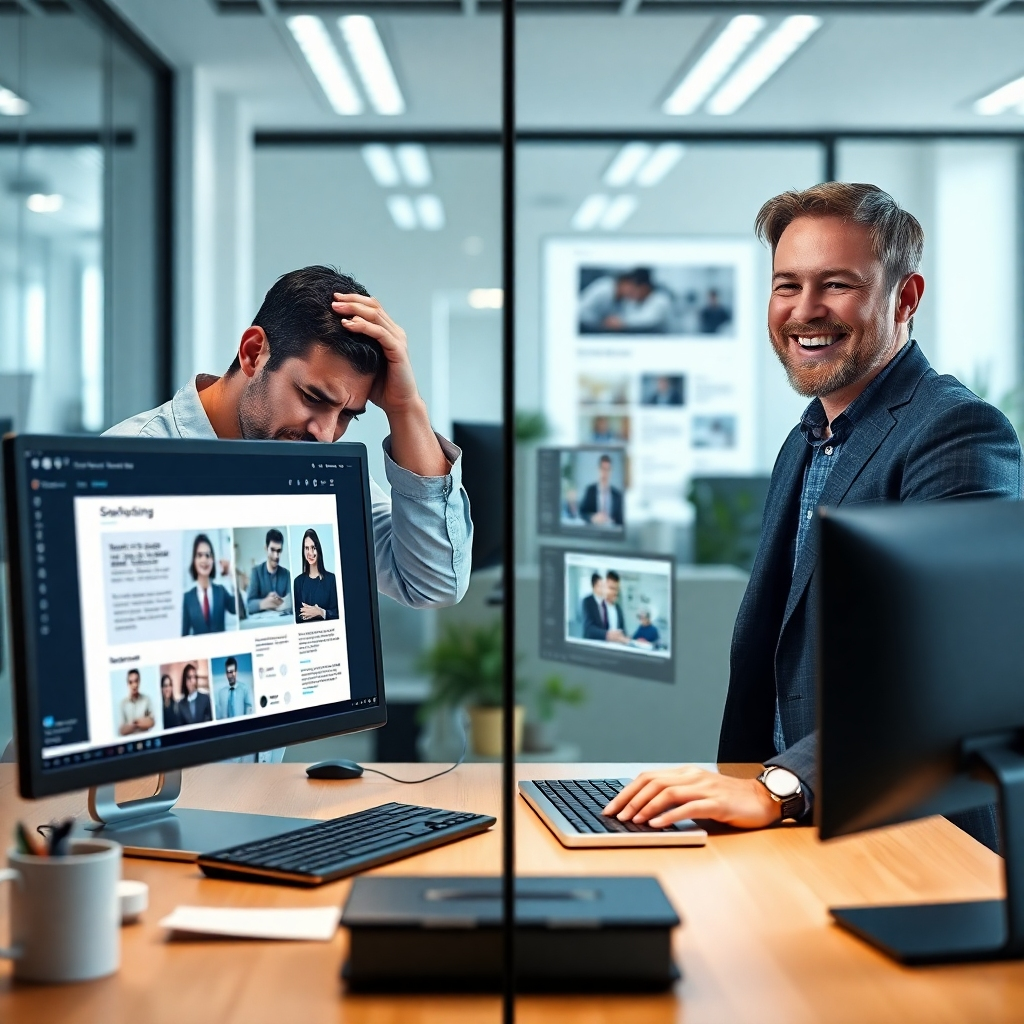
(756, 945)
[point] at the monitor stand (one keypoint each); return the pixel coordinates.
(933, 933)
(151, 828)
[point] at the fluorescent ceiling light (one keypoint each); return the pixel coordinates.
(763, 63)
(412, 158)
(662, 160)
(431, 212)
(1007, 97)
(311, 35)
(371, 61)
(382, 165)
(627, 162)
(403, 213)
(590, 212)
(39, 202)
(11, 104)
(714, 65)
(620, 209)
(486, 298)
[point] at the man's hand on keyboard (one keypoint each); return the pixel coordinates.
(662, 797)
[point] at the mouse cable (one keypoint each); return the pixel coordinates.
(436, 775)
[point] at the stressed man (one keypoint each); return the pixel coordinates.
(318, 350)
(882, 426)
(270, 583)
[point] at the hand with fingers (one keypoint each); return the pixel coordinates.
(413, 444)
(674, 794)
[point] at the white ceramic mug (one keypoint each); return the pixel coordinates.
(65, 917)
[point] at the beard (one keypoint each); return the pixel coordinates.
(255, 421)
(829, 375)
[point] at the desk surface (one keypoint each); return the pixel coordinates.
(756, 944)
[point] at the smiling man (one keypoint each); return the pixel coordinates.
(882, 426)
(318, 350)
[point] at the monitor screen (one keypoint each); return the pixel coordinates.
(581, 492)
(177, 602)
(608, 612)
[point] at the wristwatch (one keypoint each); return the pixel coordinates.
(785, 789)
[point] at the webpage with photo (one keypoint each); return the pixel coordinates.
(650, 345)
(184, 625)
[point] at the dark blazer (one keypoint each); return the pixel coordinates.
(593, 625)
(192, 620)
(921, 437)
(588, 506)
(199, 711)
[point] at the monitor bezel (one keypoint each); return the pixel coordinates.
(33, 781)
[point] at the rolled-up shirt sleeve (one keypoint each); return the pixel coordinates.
(423, 533)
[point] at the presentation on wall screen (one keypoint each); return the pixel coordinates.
(167, 617)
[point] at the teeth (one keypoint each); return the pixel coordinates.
(818, 342)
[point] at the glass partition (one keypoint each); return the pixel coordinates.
(84, 226)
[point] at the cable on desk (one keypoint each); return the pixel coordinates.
(436, 775)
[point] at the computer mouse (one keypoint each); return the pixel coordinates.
(340, 768)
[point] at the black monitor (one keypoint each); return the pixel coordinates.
(921, 699)
(143, 642)
(482, 459)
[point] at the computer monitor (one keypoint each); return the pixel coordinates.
(143, 640)
(921, 699)
(482, 459)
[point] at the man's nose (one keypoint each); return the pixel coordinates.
(323, 429)
(810, 305)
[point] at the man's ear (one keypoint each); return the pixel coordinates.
(253, 350)
(909, 296)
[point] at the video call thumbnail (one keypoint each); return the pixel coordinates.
(582, 491)
(207, 613)
(609, 612)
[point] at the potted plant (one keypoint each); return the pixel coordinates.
(465, 668)
(542, 734)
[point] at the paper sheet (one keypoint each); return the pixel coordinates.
(310, 923)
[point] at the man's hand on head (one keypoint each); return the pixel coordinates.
(413, 444)
(674, 794)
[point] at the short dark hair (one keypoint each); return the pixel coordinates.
(605, 458)
(612, 575)
(274, 536)
(230, 661)
(201, 538)
(296, 315)
(134, 672)
(595, 578)
(640, 276)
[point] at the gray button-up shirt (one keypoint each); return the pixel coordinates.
(422, 534)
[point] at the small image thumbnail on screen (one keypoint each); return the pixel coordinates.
(609, 612)
(582, 491)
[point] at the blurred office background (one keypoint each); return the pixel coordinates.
(162, 162)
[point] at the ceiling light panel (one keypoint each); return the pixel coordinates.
(431, 212)
(763, 63)
(661, 161)
(620, 209)
(486, 298)
(313, 40)
(714, 64)
(372, 64)
(40, 202)
(1006, 98)
(382, 165)
(415, 165)
(626, 163)
(589, 213)
(11, 104)
(403, 213)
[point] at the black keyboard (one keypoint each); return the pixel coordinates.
(343, 846)
(581, 801)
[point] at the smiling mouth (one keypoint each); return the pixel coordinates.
(816, 340)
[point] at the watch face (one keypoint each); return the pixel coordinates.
(782, 783)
